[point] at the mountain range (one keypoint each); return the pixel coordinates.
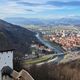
(37, 21)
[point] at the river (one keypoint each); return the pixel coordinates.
(55, 47)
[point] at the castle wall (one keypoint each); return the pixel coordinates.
(6, 59)
(0, 75)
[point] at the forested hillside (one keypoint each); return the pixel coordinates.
(17, 36)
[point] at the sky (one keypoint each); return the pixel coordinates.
(39, 8)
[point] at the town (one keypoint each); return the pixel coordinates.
(68, 40)
(62, 39)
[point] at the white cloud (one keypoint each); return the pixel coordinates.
(42, 8)
(11, 9)
(35, 1)
(42, 1)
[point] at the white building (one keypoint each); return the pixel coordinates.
(63, 33)
(6, 64)
(78, 35)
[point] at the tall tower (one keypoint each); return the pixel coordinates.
(63, 33)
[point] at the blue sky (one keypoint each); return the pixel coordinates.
(39, 8)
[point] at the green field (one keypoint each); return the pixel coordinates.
(38, 60)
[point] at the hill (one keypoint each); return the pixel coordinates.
(17, 36)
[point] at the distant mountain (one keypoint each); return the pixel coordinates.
(19, 37)
(24, 21)
(36, 21)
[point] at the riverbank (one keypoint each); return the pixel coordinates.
(55, 47)
(41, 59)
(71, 56)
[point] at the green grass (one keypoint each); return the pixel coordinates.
(38, 60)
